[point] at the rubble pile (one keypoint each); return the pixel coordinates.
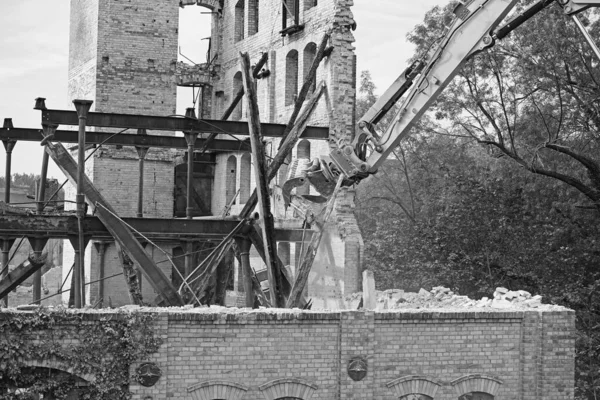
(442, 297)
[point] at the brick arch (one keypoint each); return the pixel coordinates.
(414, 384)
(55, 363)
(213, 5)
(214, 389)
(476, 383)
(290, 387)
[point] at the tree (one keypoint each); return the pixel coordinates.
(504, 180)
(534, 98)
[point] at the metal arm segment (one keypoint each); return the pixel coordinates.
(469, 33)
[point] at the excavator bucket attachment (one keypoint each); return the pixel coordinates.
(316, 173)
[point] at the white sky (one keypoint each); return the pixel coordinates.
(35, 45)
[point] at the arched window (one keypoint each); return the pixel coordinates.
(253, 23)
(236, 115)
(308, 4)
(476, 396)
(225, 390)
(476, 387)
(245, 172)
(239, 21)
(303, 150)
(230, 181)
(288, 389)
(291, 77)
(310, 52)
(414, 387)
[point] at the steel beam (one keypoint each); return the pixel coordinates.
(20, 274)
(123, 236)
(122, 139)
(151, 122)
(157, 229)
(128, 244)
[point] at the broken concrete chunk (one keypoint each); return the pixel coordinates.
(501, 304)
(424, 293)
(525, 294)
(501, 290)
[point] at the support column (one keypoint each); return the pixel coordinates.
(101, 246)
(244, 246)
(82, 107)
(37, 244)
(188, 248)
(6, 244)
(190, 138)
(78, 270)
(9, 145)
(142, 152)
(41, 194)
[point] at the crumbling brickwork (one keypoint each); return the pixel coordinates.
(526, 355)
(123, 55)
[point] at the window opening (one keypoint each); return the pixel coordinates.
(245, 172)
(253, 22)
(291, 77)
(231, 179)
(290, 17)
(239, 20)
(236, 115)
(308, 4)
(194, 46)
(310, 52)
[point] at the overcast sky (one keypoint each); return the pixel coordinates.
(35, 45)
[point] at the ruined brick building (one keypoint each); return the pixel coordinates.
(123, 56)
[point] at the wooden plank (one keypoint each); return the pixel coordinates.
(262, 183)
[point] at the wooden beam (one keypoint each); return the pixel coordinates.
(262, 183)
(311, 251)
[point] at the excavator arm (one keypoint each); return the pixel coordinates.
(474, 27)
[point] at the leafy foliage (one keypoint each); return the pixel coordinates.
(104, 348)
(500, 186)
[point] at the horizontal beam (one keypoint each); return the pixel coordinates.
(150, 122)
(54, 226)
(122, 139)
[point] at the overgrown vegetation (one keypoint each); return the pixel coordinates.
(500, 184)
(104, 348)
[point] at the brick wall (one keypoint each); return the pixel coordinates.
(218, 354)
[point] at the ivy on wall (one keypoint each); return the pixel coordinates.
(98, 346)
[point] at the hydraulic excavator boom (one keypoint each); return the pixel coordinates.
(474, 27)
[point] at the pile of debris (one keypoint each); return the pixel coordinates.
(442, 297)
